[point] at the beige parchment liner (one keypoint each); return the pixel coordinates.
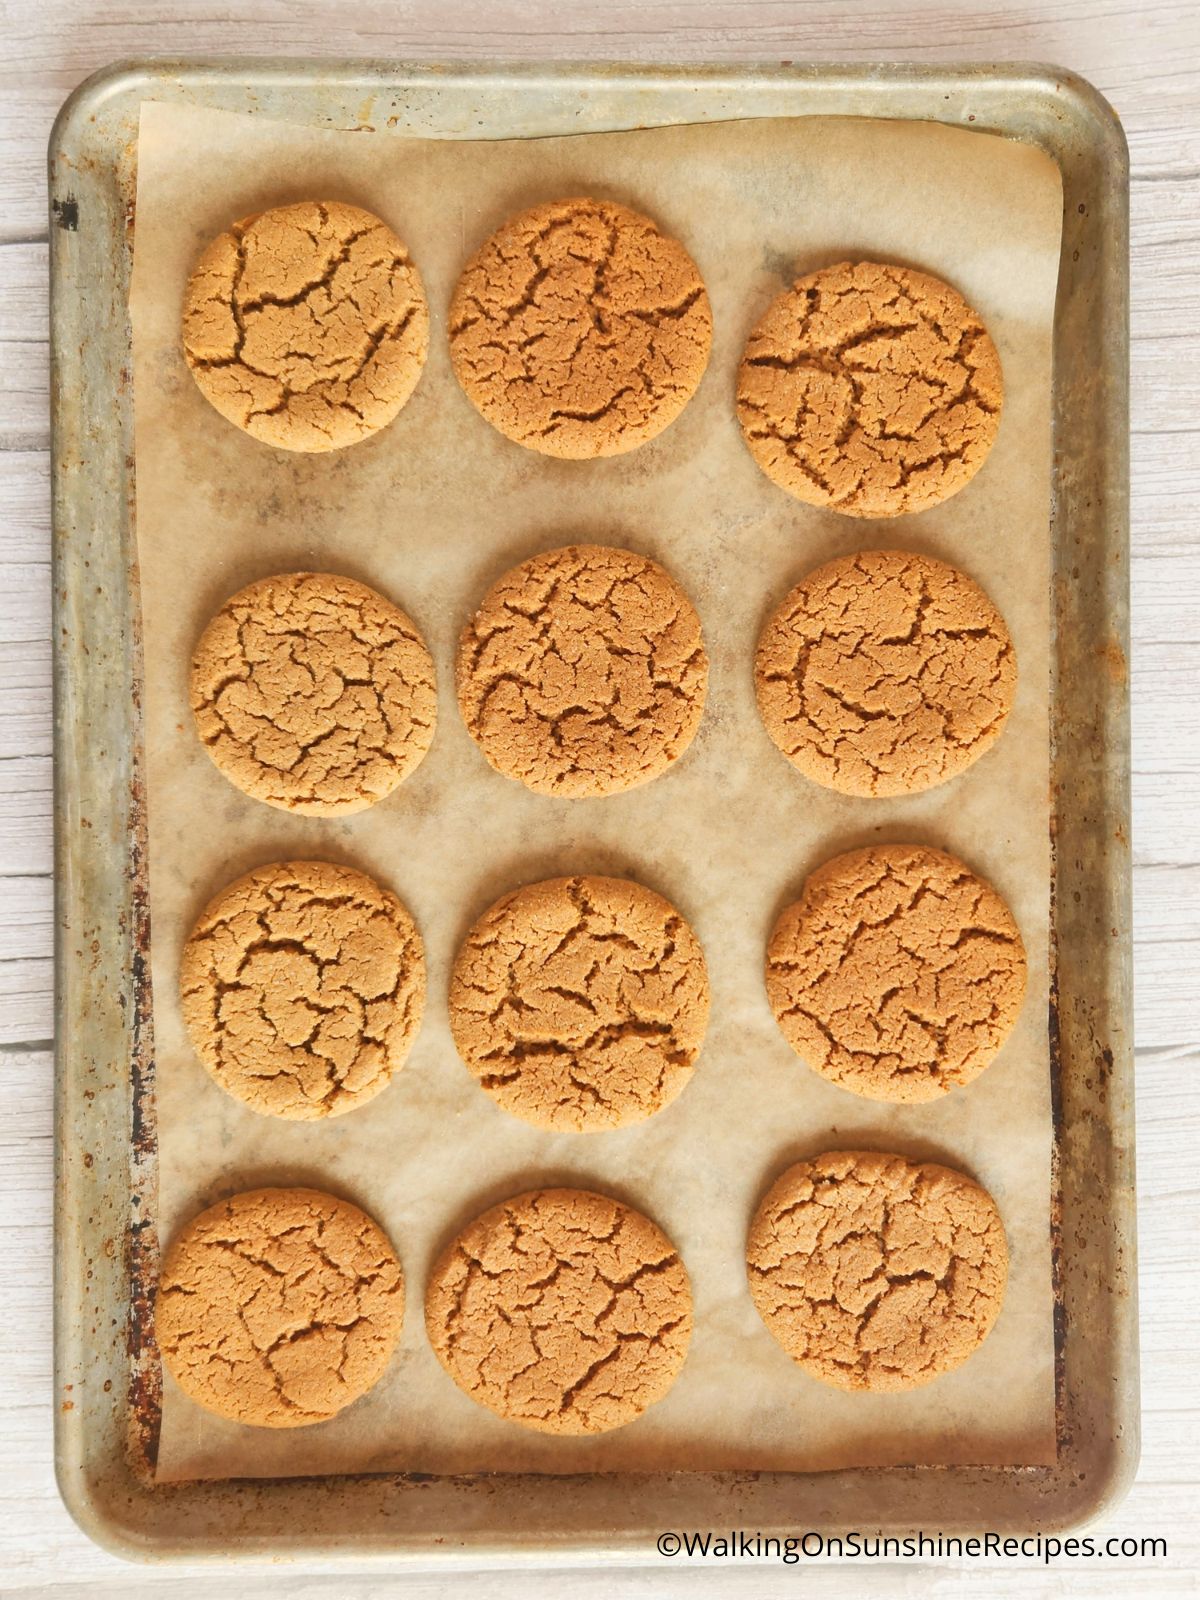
(431, 511)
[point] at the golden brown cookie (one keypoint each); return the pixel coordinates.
(580, 1003)
(583, 672)
(306, 325)
(313, 693)
(303, 986)
(279, 1307)
(872, 389)
(579, 330)
(876, 1273)
(885, 673)
(561, 1310)
(898, 974)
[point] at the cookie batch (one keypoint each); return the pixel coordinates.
(580, 329)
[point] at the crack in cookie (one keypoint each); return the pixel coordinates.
(583, 672)
(306, 325)
(302, 989)
(898, 974)
(871, 389)
(580, 1003)
(874, 1272)
(313, 693)
(562, 1310)
(579, 330)
(885, 673)
(279, 1307)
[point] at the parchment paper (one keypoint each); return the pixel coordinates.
(431, 511)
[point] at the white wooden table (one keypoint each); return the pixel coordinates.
(1143, 54)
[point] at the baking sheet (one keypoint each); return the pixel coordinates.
(430, 512)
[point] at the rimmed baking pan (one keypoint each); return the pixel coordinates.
(106, 1260)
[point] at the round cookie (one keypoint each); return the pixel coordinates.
(872, 389)
(876, 1273)
(885, 673)
(313, 693)
(580, 1003)
(279, 1307)
(583, 672)
(306, 325)
(561, 1310)
(302, 987)
(579, 329)
(898, 974)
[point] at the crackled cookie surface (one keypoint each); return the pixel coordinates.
(561, 1310)
(279, 1307)
(583, 672)
(871, 389)
(303, 985)
(579, 329)
(898, 974)
(313, 693)
(306, 325)
(885, 673)
(580, 1003)
(876, 1273)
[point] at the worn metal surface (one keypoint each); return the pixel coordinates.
(106, 1250)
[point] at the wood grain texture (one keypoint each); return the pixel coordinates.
(1146, 58)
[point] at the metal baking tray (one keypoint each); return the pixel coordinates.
(106, 1252)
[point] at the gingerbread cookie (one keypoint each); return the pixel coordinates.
(562, 1310)
(871, 389)
(580, 1003)
(898, 974)
(579, 329)
(306, 325)
(303, 985)
(884, 673)
(313, 693)
(583, 672)
(279, 1307)
(874, 1272)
